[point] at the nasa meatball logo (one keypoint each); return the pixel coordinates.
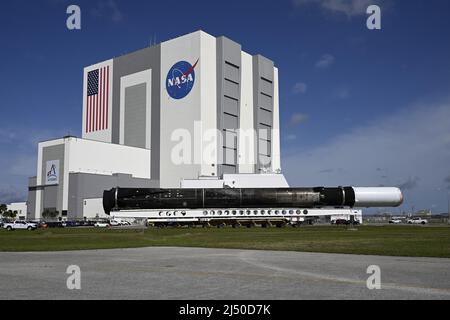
(180, 79)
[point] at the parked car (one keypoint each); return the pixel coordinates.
(87, 224)
(114, 223)
(20, 225)
(54, 224)
(417, 221)
(345, 222)
(101, 224)
(39, 224)
(341, 222)
(395, 221)
(42, 225)
(71, 224)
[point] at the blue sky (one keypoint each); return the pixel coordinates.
(357, 106)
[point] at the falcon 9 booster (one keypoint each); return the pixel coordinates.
(319, 197)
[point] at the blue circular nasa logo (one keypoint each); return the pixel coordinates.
(180, 79)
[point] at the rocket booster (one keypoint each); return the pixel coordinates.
(319, 197)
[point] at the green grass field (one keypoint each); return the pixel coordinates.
(377, 240)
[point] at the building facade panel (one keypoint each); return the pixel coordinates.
(53, 194)
(247, 134)
(138, 64)
(31, 199)
(208, 105)
(276, 148)
(136, 109)
(180, 107)
(91, 186)
(86, 156)
(135, 116)
(263, 78)
(228, 100)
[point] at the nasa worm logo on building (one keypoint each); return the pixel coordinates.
(181, 79)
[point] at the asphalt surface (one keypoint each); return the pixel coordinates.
(195, 273)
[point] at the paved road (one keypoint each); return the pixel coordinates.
(194, 273)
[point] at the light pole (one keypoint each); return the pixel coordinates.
(448, 206)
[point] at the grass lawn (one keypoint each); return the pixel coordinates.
(414, 241)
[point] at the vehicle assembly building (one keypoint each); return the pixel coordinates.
(192, 112)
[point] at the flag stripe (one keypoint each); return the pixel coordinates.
(92, 113)
(98, 105)
(107, 97)
(104, 98)
(87, 114)
(101, 100)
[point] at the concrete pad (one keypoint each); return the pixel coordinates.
(196, 273)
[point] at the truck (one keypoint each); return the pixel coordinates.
(20, 225)
(417, 221)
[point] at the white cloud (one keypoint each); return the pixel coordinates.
(297, 119)
(342, 93)
(409, 149)
(300, 88)
(348, 7)
(325, 61)
(290, 137)
(409, 184)
(108, 8)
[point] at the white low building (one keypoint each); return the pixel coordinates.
(21, 209)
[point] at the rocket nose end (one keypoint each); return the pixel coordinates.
(401, 198)
(378, 197)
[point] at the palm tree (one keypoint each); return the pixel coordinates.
(3, 208)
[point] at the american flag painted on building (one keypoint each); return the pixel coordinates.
(97, 100)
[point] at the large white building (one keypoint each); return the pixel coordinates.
(191, 111)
